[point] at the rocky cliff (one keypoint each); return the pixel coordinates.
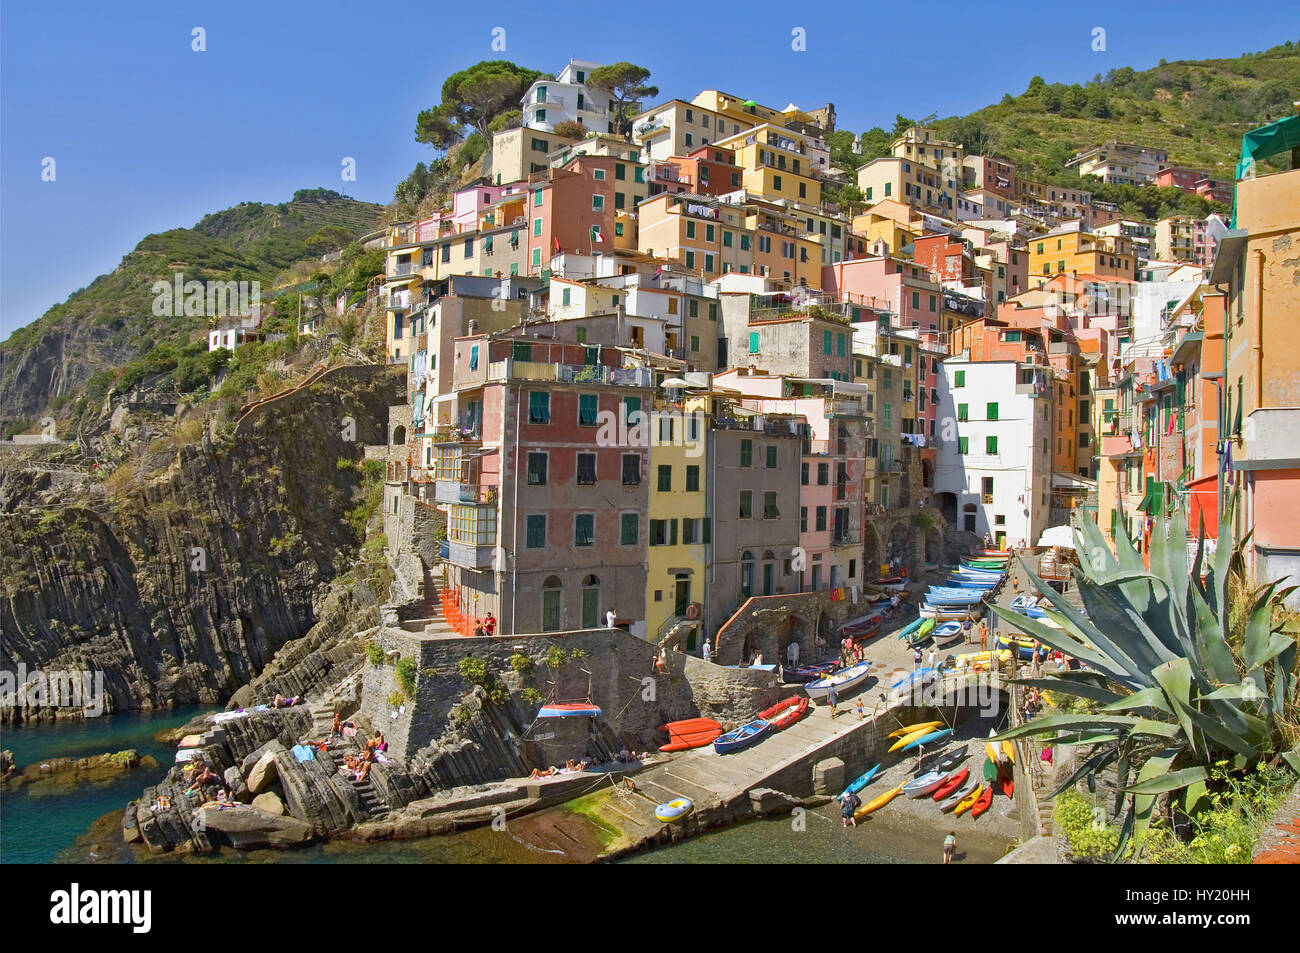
(183, 583)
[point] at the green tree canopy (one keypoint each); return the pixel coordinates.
(471, 100)
(626, 85)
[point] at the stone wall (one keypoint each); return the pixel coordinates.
(768, 624)
(614, 668)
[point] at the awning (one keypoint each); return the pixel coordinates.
(1068, 481)
(1059, 536)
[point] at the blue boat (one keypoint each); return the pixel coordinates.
(905, 683)
(862, 781)
(960, 582)
(928, 739)
(742, 737)
(957, 597)
(910, 629)
(809, 673)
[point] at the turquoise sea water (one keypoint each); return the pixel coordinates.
(41, 826)
(38, 821)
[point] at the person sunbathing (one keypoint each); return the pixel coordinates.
(538, 775)
(203, 775)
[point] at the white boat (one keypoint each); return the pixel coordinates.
(843, 680)
(925, 784)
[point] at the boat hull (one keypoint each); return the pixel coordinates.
(741, 737)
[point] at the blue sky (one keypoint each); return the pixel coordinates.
(148, 134)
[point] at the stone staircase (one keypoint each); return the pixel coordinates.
(372, 804)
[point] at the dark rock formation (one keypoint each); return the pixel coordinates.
(183, 586)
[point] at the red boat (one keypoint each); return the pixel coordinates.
(1008, 783)
(983, 802)
(953, 782)
(690, 733)
(786, 712)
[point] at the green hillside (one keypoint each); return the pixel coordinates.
(76, 347)
(1196, 110)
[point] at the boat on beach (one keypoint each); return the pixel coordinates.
(862, 780)
(951, 783)
(948, 633)
(690, 733)
(843, 680)
(785, 712)
(742, 737)
(925, 784)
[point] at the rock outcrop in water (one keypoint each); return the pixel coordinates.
(182, 586)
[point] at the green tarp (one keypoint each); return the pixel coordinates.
(1280, 136)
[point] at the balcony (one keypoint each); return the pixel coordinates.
(1119, 445)
(510, 369)
(847, 538)
(453, 491)
(593, 110)
(891, 466)
(469, 556)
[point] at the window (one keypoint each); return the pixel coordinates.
(632, 410)
(536, 532)
(586, 469)
(726, 238)
(803, 474)
(537, 469)
(695, 342)
(665, 479)
(690, 259)
(629, 529)
(631, 469)
(537, 198)
(776, 183)
(753, 342)
(692, 479)
(770, 512)
(916, 300)
(598, 175)
(993, 411)
(823, 474)
(598, 203)
(584, 529)
(690, 229)
(821, 519)
(588, 409)
(539, 407)
(839, 345)
(991, 446)
(746, 504)
(959, 379)
(746, 453)
(744, 242)
(963, 412)
(539, 145)
(963, 445)
(826, 342)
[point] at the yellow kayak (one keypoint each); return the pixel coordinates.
(880, 802)
(978, 661)
(969, 800)
(1009, 750)
(917, 727)
(911, 736)
(991, 751)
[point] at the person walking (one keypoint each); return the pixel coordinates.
(916, 658)
(984, 635)
(966, 627)
(708, 651)
(831, 698)
(933, 661)
(849, 804)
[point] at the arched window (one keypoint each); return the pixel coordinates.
(747, 574)
(552, 601)
(591, 602)
(399, 435)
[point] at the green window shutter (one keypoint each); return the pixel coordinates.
(707, 536)
(537, 198)
(963, 412)
(588, 409)
(826, 342)
(993, 411)
(771, 458)
(963, 444)
(539, 407)
(672, 532)
(536, 532)
(665, 479)
(746, 453)
(839, 345)
(991, 445)
(753, 342)
(521, 352)
(630, 529)
(959, 379)
(692, 479)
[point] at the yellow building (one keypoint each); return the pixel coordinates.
(703, 235)
(775, 163)
(1067, 250)
(906, 181)
(924, 147)
(678, 531)
(874, 225)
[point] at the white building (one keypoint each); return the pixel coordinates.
(993, 467)
(568, 99)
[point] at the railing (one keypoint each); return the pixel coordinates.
(594, 110)
(849, 538)
(510, 369)
(670, 173)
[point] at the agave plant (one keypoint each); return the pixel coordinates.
(1174, 693)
